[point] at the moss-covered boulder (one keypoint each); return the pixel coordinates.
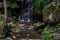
(51, 13)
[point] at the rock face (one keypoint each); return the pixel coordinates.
(51, 13)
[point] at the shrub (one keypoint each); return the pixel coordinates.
(1, 26)
(38, 26)
(41, 3)
(58, 26)
(47, 33)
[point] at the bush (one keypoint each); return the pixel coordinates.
(47, 33)
(41, 3)
(1, 26)
(38, 26)
(58, 26)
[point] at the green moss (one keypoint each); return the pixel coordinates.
(53, 8)
(48, 9)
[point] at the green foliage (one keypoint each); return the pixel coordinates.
(48, 9)
(1, 18)
(1, 23)
(1, 26)
(1, 36)
(58, 26)
(36, 26)
(47, 33)
(41, 3)
(12, 3)
(9, 23)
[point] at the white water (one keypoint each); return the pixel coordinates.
(25, 16)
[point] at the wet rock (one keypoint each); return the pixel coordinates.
(8, 38)
(34, 39)
(28, 34)
(21, 25)
(14, 37)
(56, 37)
(30, 28)
(16, 29)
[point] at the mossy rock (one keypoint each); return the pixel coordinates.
(51, 13)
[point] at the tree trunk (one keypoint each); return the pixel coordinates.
(5, 10)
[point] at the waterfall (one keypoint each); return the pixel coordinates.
(25, 14)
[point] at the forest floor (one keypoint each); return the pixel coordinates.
(26, 33)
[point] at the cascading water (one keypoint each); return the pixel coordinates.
(25, 13)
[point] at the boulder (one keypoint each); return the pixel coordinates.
(51, 13)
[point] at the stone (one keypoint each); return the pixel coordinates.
(21, 25)
(14, 37)
(8, 38)
(34, 39)
(56, 37)
(51, 13)
(16, 29)
(28, 34)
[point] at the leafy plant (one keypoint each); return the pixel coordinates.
(41, 3)
(1, 36)
(12, 3)
(58, 26)
(10, 23)
(1, 18)
(1, 26)
(47, 33)
(38, 26)
(1, 23)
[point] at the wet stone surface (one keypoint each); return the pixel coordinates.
(8, 38)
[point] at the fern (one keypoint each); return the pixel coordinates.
(47, 33)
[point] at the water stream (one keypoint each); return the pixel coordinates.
(25, 17)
